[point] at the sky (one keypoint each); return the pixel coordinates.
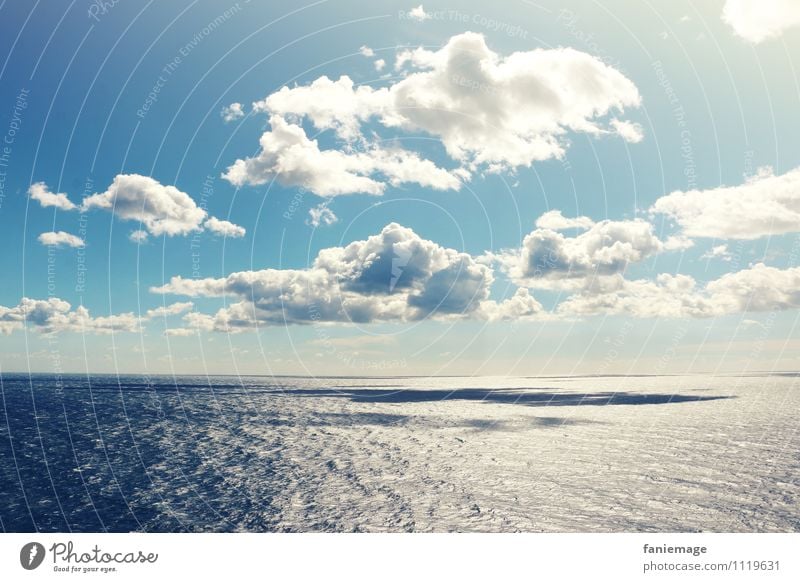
(521, 188)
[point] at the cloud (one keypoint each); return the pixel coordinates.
(162, 210)
(554, 220)
(232, 112)
(61, 238)
(678, 243)
(669, 296)
(379, 64)
(521, 305)
(509, 111)
(764, 205)
(627, 130)
(394, 276)
(138, 236)
(337, 105)
(224, 228)
(56, 315)
(172, 309)
(759, 288)
(717, 252)
(180, 331)
(288, 155)
(366, 51)
(418, 13)
(548, 259)
(491, 113)
(40, 192)
(321, 215)
(758, 20)
(397, 276)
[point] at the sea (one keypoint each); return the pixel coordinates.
(108, 453)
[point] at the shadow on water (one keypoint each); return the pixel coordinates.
(504, 396)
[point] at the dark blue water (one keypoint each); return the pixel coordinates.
(118, 454)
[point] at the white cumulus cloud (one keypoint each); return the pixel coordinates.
(491, 113)
(764, 205)
(162, 210)
(758, 288)
(394, 276)
(41, 193)
(551, 260)
(760, 20)
(521, 305)
(669, 296)
(288, 155)
(224, 228)
(56, 315)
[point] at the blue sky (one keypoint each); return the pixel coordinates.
(138, 89)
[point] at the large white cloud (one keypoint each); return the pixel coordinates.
(41, 193)
(61, 238)
(397, 276)
(551, 260)
(764, 205)
(760, 20)
(288, 155)
(394, 276)
(489, 111)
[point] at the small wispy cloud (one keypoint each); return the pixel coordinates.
(61, 239)
(419, 14)
(232, 112)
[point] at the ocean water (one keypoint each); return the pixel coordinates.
(676, 453)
